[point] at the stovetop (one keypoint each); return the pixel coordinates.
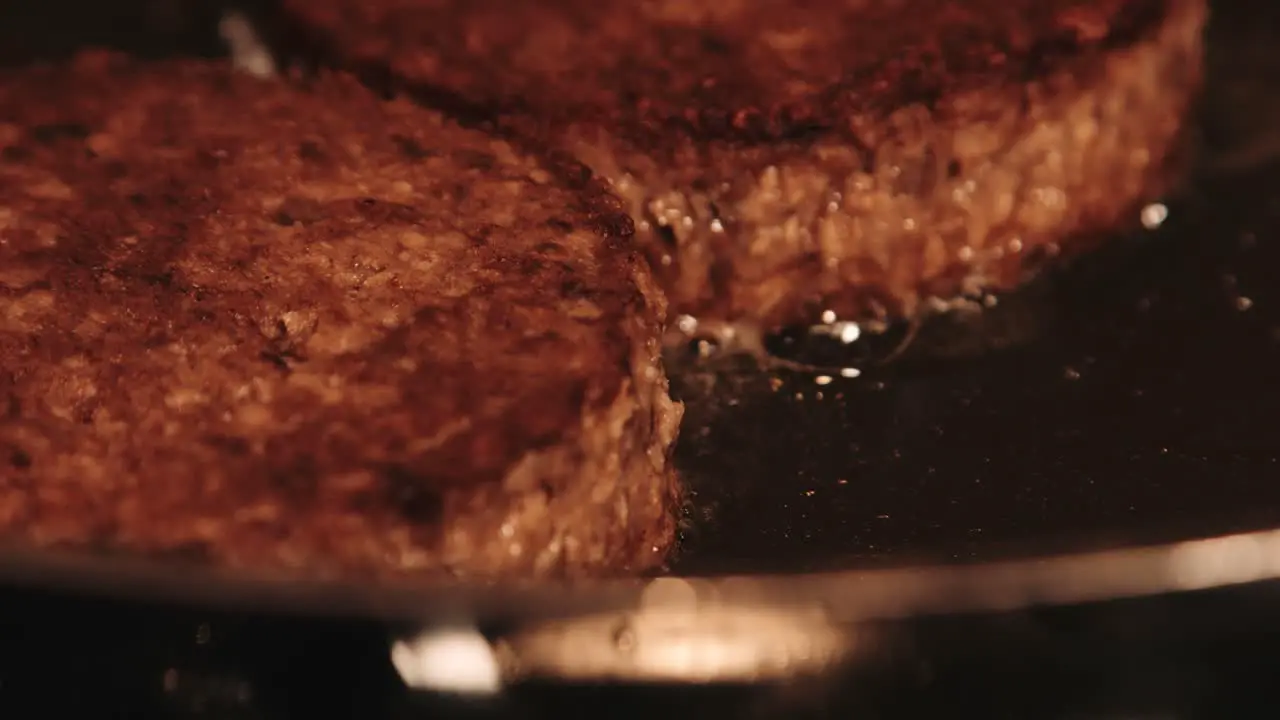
(1198, 655)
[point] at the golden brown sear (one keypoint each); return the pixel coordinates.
(787, 157)
(282, 329)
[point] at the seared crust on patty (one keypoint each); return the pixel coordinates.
(784, 158)
(314, 330)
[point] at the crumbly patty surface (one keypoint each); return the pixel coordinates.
(740, 67)
(307, 329)
(788, 157)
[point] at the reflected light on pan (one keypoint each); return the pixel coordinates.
(249, 54)
(455, 661)
(680, 634)
(1154, 215)
(1225, 561)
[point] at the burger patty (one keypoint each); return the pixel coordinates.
(791, 159)
(282, 328)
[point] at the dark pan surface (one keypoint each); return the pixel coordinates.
(1132, 399)
(1145, 409)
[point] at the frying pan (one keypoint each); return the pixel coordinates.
(1108, 432)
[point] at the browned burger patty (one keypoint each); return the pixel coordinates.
(313, 330)
(785, 157)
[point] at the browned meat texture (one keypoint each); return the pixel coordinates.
(315, 331)
(784, 157)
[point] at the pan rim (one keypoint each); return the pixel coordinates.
(844, 596)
